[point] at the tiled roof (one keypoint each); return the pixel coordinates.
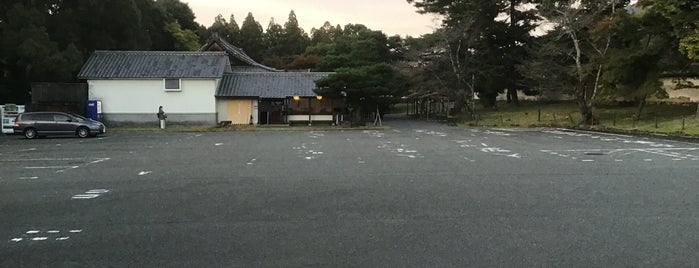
(247, 69)
(155, 64)
(235, 52)
(269, 84)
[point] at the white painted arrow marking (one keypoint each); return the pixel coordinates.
(97, 191)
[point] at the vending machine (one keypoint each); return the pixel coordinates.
(94, 110)
(8, 113)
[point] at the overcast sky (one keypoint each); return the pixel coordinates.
(390, 16)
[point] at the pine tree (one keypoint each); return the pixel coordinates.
(295, 39)
(251, 37)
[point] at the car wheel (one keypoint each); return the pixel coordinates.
(83, 132)
(30, 133)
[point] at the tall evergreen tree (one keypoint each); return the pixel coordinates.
(251, 37)
(233, 31)
(324, 34)
(295, 39)
(471, 45)
(219, 27)
(274, 42)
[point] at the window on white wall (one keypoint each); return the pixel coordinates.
(173, 84)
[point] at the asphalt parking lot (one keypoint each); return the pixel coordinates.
(416, 195)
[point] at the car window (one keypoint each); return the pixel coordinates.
(28, 117)
(77, 116)
(43, 117)
(61, 118)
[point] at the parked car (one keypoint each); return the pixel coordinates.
(40, 124)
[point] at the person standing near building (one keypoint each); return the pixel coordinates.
(161, 117)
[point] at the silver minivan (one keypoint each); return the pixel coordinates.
(41, 124)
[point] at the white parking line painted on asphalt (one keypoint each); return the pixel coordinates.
(497, 133)
(27, 150)
(316, 134)
(52, 167)
(588, 160)
(399, 150)
(672, 153)
(99, 160)
(28, 178)
(142, 173)
(431, 132)
(218, 144)
(85, 196)
(37, 235)
(41, 159)
(97, 191)
(488, 149)
(61, 168)
(374, 133)
(607, 137)
(648, 160)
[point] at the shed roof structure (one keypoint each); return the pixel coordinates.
(155, 64)
(269, 84)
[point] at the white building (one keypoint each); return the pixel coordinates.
(218, 84)
(133, 84)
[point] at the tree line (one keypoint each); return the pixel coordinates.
(593, 50)
(49, 40)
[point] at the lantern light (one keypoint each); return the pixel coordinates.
(319, 97)
(297, 98)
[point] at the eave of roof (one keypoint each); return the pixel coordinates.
(154, 64)
(269, 84)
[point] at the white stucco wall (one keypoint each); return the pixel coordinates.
(144, 96)
(255, 112)
(221, 110)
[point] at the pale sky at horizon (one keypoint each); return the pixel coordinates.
(390, 16)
